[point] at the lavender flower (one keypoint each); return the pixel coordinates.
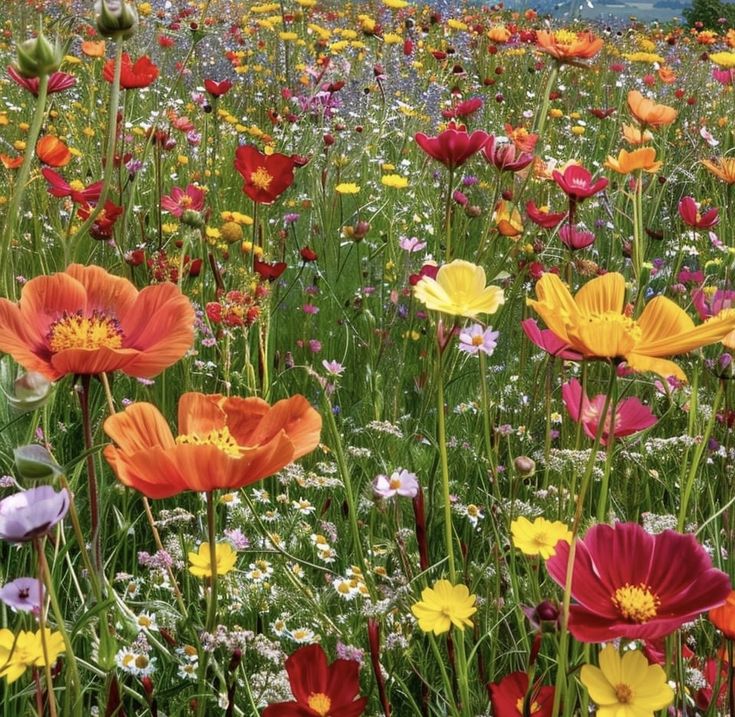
(23, 594)
(31, 513)
(401, 482)
(476, 338)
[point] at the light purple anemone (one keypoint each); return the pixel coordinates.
(400, 482)
(23, 594)
(477, 338)
(31, 513)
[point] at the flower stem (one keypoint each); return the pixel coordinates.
(19, 187)
(448, 218)
(540, 121)
(485, 399)
(94, 501)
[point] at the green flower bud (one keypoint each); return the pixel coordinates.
(37, 57)
(116, 18)
(32, 390)
(34, 462)
(192, 219)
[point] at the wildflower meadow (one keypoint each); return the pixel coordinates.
(365, 358)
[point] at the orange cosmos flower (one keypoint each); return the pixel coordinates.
(723, 617)
(722, 167)
(596, 324)
(92, 48)
(648, 113)
(569, 47)
(627, 162)
(10, 162)
(666, 75)
(86, 321)
(222, 443)
(52, 151)
(633, 135)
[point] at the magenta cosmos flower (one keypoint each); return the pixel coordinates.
(454, 146)
(181, 200)
(631, 416)
(576, 182)
(547, 340)
(629, 583)
(691, 216)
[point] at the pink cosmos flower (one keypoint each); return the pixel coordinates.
(505, 156)
(576, 182)
(709, 304)
(57, 82)
(548, 341)
(575, 238)
(477, 338)
(181, 200)
(400, 482)
(546, 220)
(454, 146)
(691, 216)
(631, 416)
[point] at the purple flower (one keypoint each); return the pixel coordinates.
(333, 368)
(411, 245)
(401, 482)
(23, 594)
(31, 513)
(476, 338)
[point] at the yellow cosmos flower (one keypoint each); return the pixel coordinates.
(395, 181)
(347, 188)
(626, 686)
(723, 59)
(459, 290)
(539, 537)
(200, 564)
(596, 323)
(444, 605)
(643, 57)
(18, 652)
(627, 162)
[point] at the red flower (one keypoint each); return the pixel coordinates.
(508, 697)
(577, 184)
(690, 215)
(624, 584)
(546, 220)
(319, 689)
(181, 200)
(266, 176)
(269, 271)
(631, 416)
(547, 340)
(307, 254)
(463, 109)
(142, 73)
(574, 238)
(59, 187)
(454, 146)
(57, 82)
(217, 89)
(503, 156)
(104, 223)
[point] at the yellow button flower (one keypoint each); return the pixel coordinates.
(200, 563)
(444, 605)
(539, 537)
(459, 290)
(18, 652)
(347, 188)
(395, 181)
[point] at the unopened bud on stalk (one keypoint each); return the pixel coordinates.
(525, 466)
(117, 19)
(38, 57)
(31, 392)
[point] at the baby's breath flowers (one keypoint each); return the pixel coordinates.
(200, 564)
(539, 537)
(444, 605)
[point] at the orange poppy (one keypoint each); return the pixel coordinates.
(92, 48)
(627, 162)
(723, 617)
(567, 46)
(648, 113)
(52, 151)
(223, 442)
(10, 162)
(86, 321)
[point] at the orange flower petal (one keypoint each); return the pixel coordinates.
(200, 413)
(602, 294)
(244, 416)
(45, 298)
(93, 361)
(105, 292)
(16, 341)
(138, 427)
(153, 472)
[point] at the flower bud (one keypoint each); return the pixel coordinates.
(192, 219)
(116, 18)
(525, 466)
(34, 462)
(38, 57)
(31, 392)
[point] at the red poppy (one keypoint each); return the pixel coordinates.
(57, 82)
(52, 151)
(269, 271)
(104, 222)
(142, 73)
(266, 176)
(463, 109)
(624, 585)
(691, 216)
(509, 695)
(307, 254)
(59, 187)
(631, 416)
(577, 184)
(546, 220)
(319, 689)
(217, 89)
(86, 321)
(454, 146)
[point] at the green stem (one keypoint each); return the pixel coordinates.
(540, 121)
(444, 462)
(485, 399)
(212, 607)
(448, 218)
(462, 675)
(38, 542)
(445, 677)
(604, 487)
(19, 187)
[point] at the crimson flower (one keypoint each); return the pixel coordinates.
(624, 585)
(181, 200)
(547, 340)
(57, 82)
(104, 222)
(217, 89)
(509, 695)
(690, 215)
(269, 271)
(631, 416)
(463, 109)
(134, 75)
(59, 187)
(576, 182)
(575, 238)
(454, 146)
(266, 176)
(319, 689)
(504, 156)
(546, 220)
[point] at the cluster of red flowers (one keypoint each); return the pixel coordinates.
(237, 308)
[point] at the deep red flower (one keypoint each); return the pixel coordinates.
(269, 271)
(508, 696)
(624, 585)
(631, 416)
(217, 89)
(266, 176)
(546, 220)
(104, 222)
(307, 254)
(576, 182)
(504, 156)
(59, 187)
(319, 689)
(57, 82)
(142, 73)
(463, 109)
(690, 215)
(575, 238)
(454, 146)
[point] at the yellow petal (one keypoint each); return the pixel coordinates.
(602, 294)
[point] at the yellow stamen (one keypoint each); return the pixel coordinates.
(219, 438)
(636, 602)
(320, 703)
(75, 331)
(261, 178)
(623, 693)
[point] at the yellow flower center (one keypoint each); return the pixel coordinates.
(636, 602)
(76, 331)
(395, 483)
(477, 340)
(320, 703)
(261, 178)
(219, 438)
(534, 706)
(565, 37)
(623, 693)
(76, 185)
(185, 201)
